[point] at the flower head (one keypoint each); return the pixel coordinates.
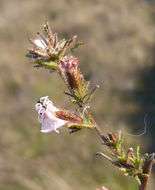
(47, 48)
(46, 115)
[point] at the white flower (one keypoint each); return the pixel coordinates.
(46, 115)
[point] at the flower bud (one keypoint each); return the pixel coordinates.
(70, 73)
(68, 63)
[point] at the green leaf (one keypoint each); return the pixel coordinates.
(47, 63)
(122, 153)
(137, 152)
(81, 126)
(132, 160)
(76, 45)
(137, 179)
(145, 155)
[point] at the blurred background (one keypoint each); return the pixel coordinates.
(118, 55)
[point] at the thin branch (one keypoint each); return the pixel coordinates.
(109, 159)
(91, 94)
(98, 130)
(104, 155)
(149, 161)
(130, 150)
(147, 165)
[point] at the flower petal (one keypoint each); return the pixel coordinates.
(51, 123)
(40, 43)
(47, 116)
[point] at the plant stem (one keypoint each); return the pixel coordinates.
(147, 164)
(149, 161)
(98, 130)
(91, 94)
(104, 156)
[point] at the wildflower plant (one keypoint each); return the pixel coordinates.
(54, 55)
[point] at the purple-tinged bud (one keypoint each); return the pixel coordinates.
(67, 63)
(70, 73)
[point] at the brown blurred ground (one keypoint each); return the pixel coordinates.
(118, 55)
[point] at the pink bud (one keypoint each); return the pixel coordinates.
(68, 62)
